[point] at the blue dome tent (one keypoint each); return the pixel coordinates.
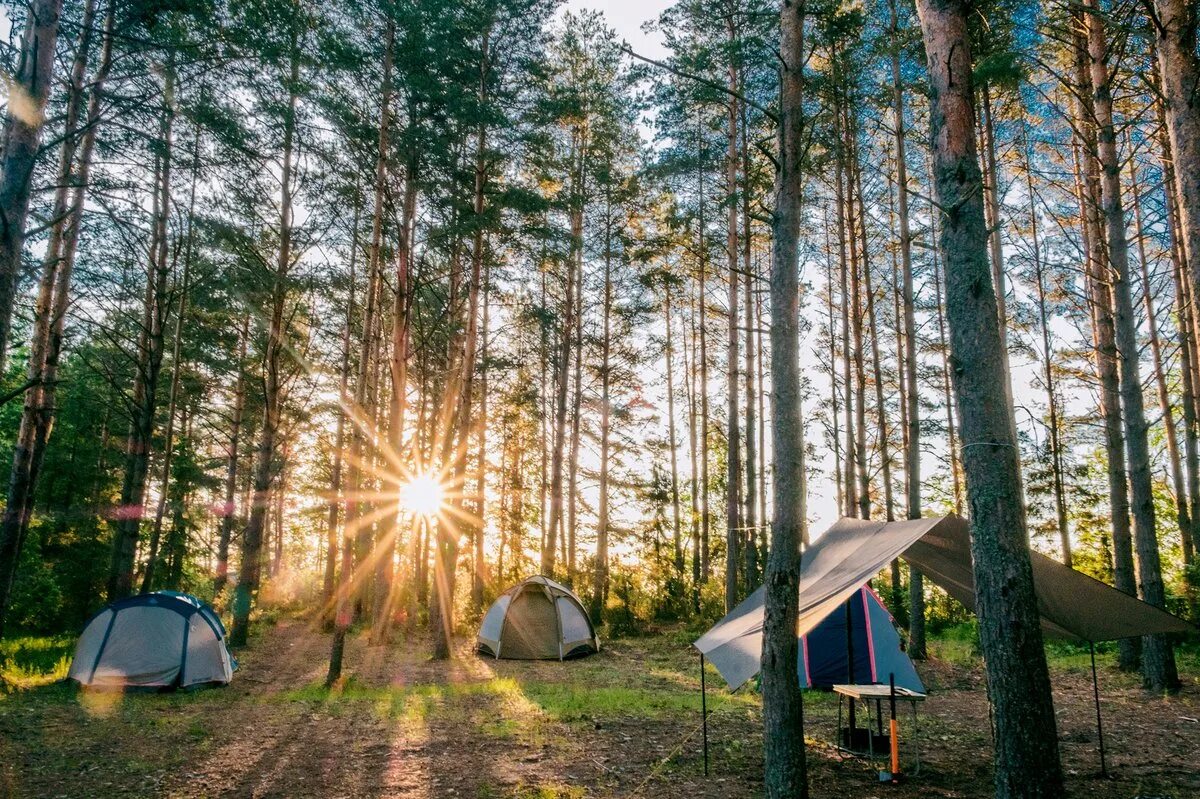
(159, 640)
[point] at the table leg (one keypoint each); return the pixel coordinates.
(916, 739)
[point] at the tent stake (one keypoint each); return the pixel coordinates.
(1099, 724)
(704, 712)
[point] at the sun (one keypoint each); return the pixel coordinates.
(422, 495)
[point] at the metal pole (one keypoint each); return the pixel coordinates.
(1096, 696)
(704, 711)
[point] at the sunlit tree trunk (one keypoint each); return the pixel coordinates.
(600, 570)
(336, 499)
(563, 367)
(733, 454)
(1026, 742)
(749, 514)
(669, 356)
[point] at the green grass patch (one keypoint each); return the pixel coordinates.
(33, 661)
(543, 791)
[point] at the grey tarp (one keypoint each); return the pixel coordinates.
(851, 552)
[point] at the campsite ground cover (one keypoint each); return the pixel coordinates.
(621, 724)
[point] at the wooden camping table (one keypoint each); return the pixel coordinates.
(879, 694)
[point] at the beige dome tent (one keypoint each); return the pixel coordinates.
(537, 619)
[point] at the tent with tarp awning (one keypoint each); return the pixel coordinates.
(1072, 605)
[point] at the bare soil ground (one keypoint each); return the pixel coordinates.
(625, 723)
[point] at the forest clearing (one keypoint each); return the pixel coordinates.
(519, 399)
(624, 723)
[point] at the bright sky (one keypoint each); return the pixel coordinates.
(627, 18)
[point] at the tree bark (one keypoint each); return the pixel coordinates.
(229, 508)
(1104, 334)
(1170, 433)
(1056, 463)
(1175, 23)
(265, 451)
(150, 354)
(733, 455)
(1026, 743)
(600, 571)
(749, 514)
(28, 91)
(785, 766)
(1158, 657)
(160, 509)
(669, 355)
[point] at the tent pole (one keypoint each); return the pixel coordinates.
(1096, 696)
(704, 712)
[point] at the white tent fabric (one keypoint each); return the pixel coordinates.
(851, 552)
(152, 641)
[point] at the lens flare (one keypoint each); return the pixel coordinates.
(422, 495)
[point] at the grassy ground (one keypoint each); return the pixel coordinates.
(622, 724)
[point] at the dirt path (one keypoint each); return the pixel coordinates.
(622, 724)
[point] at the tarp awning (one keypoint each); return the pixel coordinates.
(1072, 604)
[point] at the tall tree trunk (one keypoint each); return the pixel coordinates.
(749, 515)
(1056, 464)
(478, 525)
(1170, 433)
(1104, 336)
(785, 767)
(1185, 324)
(346, 584)
(733, 455)
(28, 90)
(150, 354)
(600, 572)
(37, 416)
(1026, 741)
(160, 509)
(1158, 656)
(912, 453)
(669, 354)
(229, 508)
(689, 370)
(563, 367)
(844, 267)
(336, 499)
(265, 451)
(1175, 23)
(705, 511)
(446, 553)
(396, 457)
(858, 267)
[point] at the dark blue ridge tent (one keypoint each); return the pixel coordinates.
(874, 643)
(159, 640)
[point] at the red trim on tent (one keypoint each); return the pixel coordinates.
(807, 674)
(870, 638)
